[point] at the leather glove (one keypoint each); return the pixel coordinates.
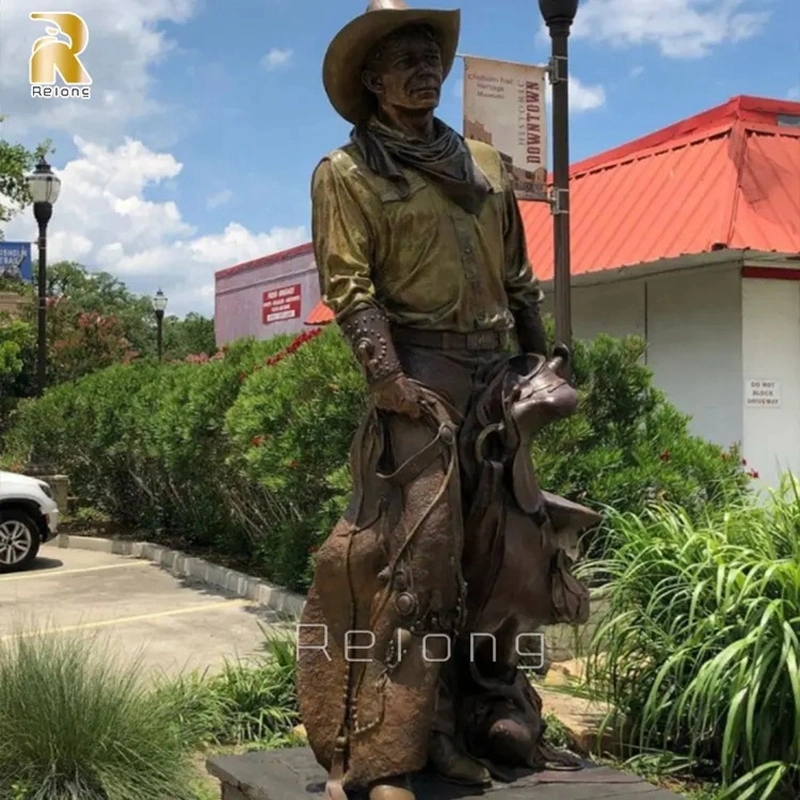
(399, 395)
(369, 333)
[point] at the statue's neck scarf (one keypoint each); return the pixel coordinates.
(445, 160)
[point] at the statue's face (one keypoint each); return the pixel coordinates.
(406, 71)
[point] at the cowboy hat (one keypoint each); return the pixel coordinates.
(344, 60)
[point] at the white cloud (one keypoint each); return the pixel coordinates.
(679, 28)
(219, 199)
(124, 41)
(103, 217)
(103, 220)
(794, 93)
(585, 98)
(276, 58)
(636, 72)
(581, 97)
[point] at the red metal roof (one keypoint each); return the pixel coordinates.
(274, 258)
(726, 178)
(320, 315)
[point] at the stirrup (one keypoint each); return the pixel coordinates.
(560, 760)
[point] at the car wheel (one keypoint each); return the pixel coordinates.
(19, 540)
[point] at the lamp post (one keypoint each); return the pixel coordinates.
(159, 306)
(559, 16)
(44, 187)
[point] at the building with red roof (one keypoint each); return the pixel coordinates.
(690, 237)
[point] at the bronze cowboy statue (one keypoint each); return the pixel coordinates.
(450, 554)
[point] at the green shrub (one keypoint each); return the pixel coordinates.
(700, 650)
(290, 431)
(75, 724)
(144, 443)
(17, 345)
(628, 446)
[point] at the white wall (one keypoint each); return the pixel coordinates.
(692, 323)
(771, 351)
(694, 330)
(616, 309)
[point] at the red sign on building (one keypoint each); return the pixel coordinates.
(281, 304)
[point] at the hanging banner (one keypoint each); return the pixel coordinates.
(15, 261)
(504, 106)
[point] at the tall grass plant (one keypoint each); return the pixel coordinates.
(77, 724)
(251, 700)
(700, 649)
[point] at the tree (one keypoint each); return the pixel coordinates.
(93, 321)
(16, 162)
(84, 344)
(16, 362)
(192, 335)
(101, 293)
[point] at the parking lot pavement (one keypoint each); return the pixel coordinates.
(133, 606)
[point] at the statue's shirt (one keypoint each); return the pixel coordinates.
(423, 259)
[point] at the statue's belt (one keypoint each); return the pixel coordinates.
(486, 339)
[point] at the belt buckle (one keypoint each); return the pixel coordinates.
(481, 340)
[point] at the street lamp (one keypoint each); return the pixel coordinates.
(159, 305)
(44, 187)
(559, 16)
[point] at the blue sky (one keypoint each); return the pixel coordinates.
(232, 92)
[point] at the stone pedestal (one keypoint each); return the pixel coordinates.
(60, 486)
(293, 774)
(57, 482)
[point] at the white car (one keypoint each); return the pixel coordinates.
(28, 518)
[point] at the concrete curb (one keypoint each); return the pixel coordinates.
(181, 565)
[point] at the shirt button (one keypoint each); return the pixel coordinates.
(468, 251)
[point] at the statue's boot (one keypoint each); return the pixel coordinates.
(511, 741)
(398, 788)
(453, 765)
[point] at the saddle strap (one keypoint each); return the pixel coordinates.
(415, 464)
(485, 527)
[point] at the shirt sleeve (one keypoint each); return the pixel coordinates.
(522, 286)
(341, 237)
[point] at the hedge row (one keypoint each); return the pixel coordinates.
(246, 453)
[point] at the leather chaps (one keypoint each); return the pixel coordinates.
(448, 546)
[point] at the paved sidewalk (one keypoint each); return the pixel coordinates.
(133, 606)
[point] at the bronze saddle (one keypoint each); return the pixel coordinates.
(522, 548)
